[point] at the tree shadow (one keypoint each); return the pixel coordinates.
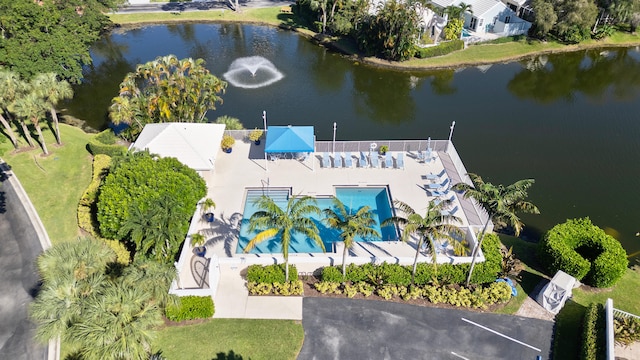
(225, 230)
(231, 355)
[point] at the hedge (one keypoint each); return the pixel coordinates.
(270, 274)
(592, 333)
(443, 49)
(190, 308)
(583, 251)
(484, 272)
(105, 143)
(86, 208)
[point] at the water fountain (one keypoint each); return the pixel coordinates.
(252, 72)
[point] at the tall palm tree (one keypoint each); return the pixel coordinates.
(350, 225)
(32, 107)
(430, 227)
(8, 90)
(52, 91)
(273, 221)
(501, 204)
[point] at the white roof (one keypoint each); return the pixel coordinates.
(195, 145)
(480, 7)
(443, 3)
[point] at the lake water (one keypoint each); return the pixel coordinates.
(569, 121)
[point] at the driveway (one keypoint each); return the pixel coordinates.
(367, 329)
(19, 246)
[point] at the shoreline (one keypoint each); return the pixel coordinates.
(459, 59)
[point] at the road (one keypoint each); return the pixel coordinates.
(19, 247)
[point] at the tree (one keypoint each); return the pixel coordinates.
(432, 226)
(166, 90)
(149, 201)
(51, 36)
(230, 123)
(501, 204)
(32, 107)
(545, 17)
(350, 225)
(274, 222)
(575, 19)
(48, 87)
(8, 89)
(100, 310)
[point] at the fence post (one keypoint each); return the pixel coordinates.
(608, 308)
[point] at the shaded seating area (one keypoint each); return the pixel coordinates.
(290, 142)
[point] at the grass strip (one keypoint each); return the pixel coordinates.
(231, 339)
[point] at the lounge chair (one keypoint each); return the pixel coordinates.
(388, 160)
(363, 160)
(347, 160)
(439, 186)
(325, 160)
(400, 161)
(337, 161)
(374, 160)
(449, 212)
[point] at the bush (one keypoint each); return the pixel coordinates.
(333, 273)
(583, 251)
(592, 335)
(443, 49)
(626, 330)
(190, 308)
(270, 274)
(105, 143)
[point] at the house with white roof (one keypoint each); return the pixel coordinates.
(193, 144)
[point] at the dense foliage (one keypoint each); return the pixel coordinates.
(585, 252)
(270, 274)
(105, 143)
(190, 308)
(570, 20)
(50, 36)
(486, 271)
(626, 330)
(443, 48)
(166, 90)
(148, 202)
(100, 309)
(593, 336)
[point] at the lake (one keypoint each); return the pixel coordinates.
(569, 121)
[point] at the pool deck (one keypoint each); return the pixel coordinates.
(246, 167)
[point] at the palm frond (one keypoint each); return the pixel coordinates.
(260, 237)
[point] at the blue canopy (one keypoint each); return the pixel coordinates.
(291, 139)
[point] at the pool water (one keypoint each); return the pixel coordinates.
(354, 198)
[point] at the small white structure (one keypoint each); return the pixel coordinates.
(495, 17)
(553, 296)
(195, 145)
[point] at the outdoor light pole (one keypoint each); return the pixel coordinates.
(453, 124)
(264, 119)
(334, 137)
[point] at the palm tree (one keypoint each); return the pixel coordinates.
(350, 225)
(430, 227)
(231, 123)
(8, 89)
(32, 107)
(273, 221)
(501, 204)
(52, 91)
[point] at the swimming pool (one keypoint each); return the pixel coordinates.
(354, 198)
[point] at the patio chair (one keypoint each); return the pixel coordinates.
(373, 158)
(363, 160)
(400, 161)
(325, 160)
(449, 212)
(337, 161)
(388, 160)
(347, 160)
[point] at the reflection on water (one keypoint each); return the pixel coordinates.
(569, 121)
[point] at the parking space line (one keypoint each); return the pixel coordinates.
(503, 335)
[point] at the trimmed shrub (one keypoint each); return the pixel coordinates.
(291, 288)
(270, 274)
(333, 274)
(443, 49)
(583, 251)
(592, 334)
(105, 143)
(190, 308)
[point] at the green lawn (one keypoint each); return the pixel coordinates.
(232, 340)
(56, 182)
(568, 321)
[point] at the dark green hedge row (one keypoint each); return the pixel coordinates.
(439, 50)
(190, 308)
(270, 274)
(583, 251)
(105, 143)
(592, 333)
(393, 274)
